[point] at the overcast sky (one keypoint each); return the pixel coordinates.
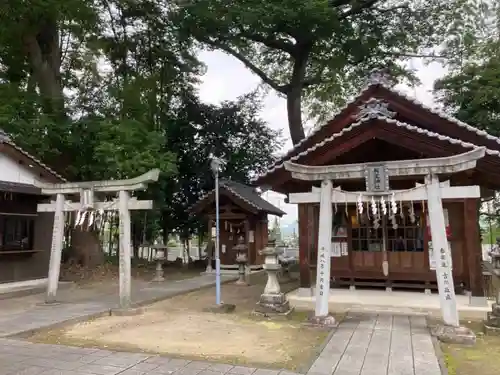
(226, 79)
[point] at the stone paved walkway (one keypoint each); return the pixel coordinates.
(362, 345)
(379, 345)
(17, 316)
(24, 358)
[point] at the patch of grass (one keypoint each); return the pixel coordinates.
(482, 359)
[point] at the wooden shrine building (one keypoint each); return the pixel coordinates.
(25, 235)
(379, 126)
(242, 213)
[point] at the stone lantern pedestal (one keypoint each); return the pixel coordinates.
(492, 323)
(160, 258)
(241, 259)
(272, 302)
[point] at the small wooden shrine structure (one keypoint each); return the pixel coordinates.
(242, 213)
(25, 234)
(380, 126)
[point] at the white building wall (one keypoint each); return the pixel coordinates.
(12, 171)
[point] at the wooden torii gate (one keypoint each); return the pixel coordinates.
(86, 190)
(377, 184)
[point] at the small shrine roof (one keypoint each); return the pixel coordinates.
(248, 195)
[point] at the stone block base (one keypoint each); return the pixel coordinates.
(491, 330)
(327, 321)
(273, 304)
(129, 311)
(223, 308)
(495, 309)
(493, 319)
(454, 335)
(259, 312)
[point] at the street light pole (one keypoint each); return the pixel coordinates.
(215, 165)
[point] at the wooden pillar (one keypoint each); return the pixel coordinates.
(305, 226)
(247, 240)
(473, 247)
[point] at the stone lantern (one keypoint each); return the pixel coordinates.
(492, 323)
(160, 256)
(272, 301)
(241, 249)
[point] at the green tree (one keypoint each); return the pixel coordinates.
(112, 95)
(470, 92)
(319, 51)
(232, 131)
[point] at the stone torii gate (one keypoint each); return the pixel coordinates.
(86, 190)
(377, 176)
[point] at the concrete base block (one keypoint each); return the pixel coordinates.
(223, 308)
(388, 289)
(328, 322)
(454, 335)
(352, 287)
(158, 279)
(128, 311)
(427, 292)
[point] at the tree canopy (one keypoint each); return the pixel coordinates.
(106, 89)
(318, 52)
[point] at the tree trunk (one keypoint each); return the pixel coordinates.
(294, 112)
(87, 248)
(44, 54)
(294, 91)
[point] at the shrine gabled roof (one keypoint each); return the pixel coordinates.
(245, 193)
(6, 139)
(390, 121)
(365, 95)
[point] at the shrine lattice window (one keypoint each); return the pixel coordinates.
(364, 236)
(16, 233)
(407, 236)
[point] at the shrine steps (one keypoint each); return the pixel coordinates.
(382, 301)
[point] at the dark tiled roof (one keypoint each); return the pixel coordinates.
(246, 193)
(251, 196)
